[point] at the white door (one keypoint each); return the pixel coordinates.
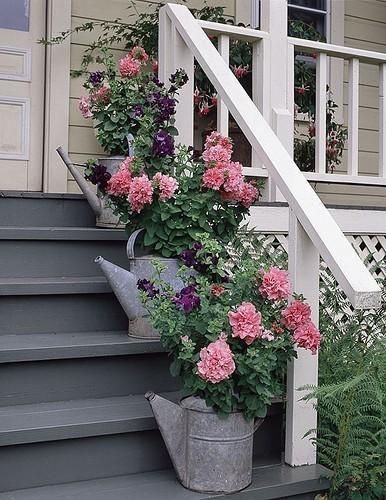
(22, 68)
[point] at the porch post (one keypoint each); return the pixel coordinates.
(274, 20)
(303, 264)
(57, 99)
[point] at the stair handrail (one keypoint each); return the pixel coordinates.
(345, 264)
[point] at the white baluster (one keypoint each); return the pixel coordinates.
(222, 110)
(382, 120)
(320, 125)
(261, 85)
(353, 116)
(174, 54)
(303, 265)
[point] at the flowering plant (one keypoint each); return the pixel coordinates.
(230, 329)
(162, 188)
(119, 96)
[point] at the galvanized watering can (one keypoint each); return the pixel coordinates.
(210, 454)
(124, 285)
(98, 203)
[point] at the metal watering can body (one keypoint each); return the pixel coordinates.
(124, 285)
(209, 453)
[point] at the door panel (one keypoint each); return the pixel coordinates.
(22, 68)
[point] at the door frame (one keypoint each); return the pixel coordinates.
(57, 97)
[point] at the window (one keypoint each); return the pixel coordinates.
(14, 14)
(312, 12)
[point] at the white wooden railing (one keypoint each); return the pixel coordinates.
(354, 58)
(312, 230)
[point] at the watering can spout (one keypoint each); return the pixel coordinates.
(170, 418)
(94, 201)
(124, 285)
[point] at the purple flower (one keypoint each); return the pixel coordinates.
(137, 111)
(99, 176)
(96, 78)
(157, 82)
(148, 287)
(166, 106)
(187, 299)
(163, 144)
(188, 257)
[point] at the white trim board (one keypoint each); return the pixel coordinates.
(274, 220)
(25, 75)
(24, 103)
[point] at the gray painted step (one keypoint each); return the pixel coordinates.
(53, 251)
(58, 257)
(97, 440)
(84, 378)
(34, 347)
(61, 313)
(278, 481)
(59, 285)
(44, 209)
(59, 420)
(62, 233)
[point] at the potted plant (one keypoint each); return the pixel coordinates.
(171, 198)
(230, 333)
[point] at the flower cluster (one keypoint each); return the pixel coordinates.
(138, 190)
(297, 317)
(224, 175)
(131, 64)
(238, 335)
(123, 96)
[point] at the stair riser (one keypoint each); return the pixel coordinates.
(38, 464)
(26, 258)
(68, 211)
(44, 381)
(61, 313)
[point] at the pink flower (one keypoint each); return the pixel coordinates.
(216, 361)
(84, 106)
(213, 178)
(129, 67)
(217, 290)
(140, 193)
(215, 139)
(139, 54)
(295, 314)
(307, 336)
(216, 154)
(267, 335)
(240, 71)
(234, 179)
(166, 184)
(119, 183)
(204, 108)
(248, 194)
(102, 95)
(275, 284)
(246, 322)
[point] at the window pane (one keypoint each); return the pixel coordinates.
(318, 21)
(312, 4)
(14, 14)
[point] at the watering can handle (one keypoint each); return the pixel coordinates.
(257, 423)
(131, 244)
